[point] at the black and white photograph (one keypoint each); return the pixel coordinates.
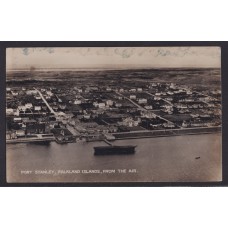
(113, 114)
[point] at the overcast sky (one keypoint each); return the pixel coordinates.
(114, 57)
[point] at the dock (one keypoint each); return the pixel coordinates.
(106, 141)
(30, 140)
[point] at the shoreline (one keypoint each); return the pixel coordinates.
(134, 135)
(167, 133)
(160, 136)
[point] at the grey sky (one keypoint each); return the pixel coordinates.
(113, 57)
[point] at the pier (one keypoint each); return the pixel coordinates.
(106, 141)
(34, 139)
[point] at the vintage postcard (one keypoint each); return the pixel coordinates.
(113, 114)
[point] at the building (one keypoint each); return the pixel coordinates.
(14, 93)
(21, 108)
(109, 102)
(20, 133)
(133, 97)
(118, 105)
(62, 106)
(148, 114)
(17, 119)
(170, 93)
(153, 84)
(28, 105)
(101, 105)
(109, 137)
(130, 122)
(86, 116)
(9, 111)
(172, 86)
(169, 125)
(142, 101)
(49, 93)
(11, 135)
(35, 128)
(31, 92)
(184, 124)
(77, 101)
(169, 99)
(37, 97)
(37, 108)
(148, 107)
(157, 98)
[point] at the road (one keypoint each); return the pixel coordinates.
(134, 103)
(143, 109)
(70, 128)
(45, 101)
(73, 130)
(205, 102)
(161, 99)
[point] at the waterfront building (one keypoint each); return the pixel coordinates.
(20, 133)
(169, 125)
(35, 128)
(184, 124)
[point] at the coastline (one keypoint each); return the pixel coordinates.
(167, 133)
(135, 135)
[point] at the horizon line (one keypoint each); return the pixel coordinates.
(109, 68)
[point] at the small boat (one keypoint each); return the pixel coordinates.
(197, 157)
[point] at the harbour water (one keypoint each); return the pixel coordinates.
(187, 158)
